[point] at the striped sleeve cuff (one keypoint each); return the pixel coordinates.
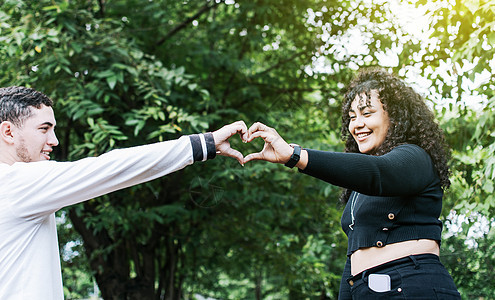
(203, 146)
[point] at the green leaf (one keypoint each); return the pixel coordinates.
(112, 81)
(472, 5)
(104, 74)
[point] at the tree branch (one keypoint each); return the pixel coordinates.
(184, 24)
(280, 63)
(101, 3)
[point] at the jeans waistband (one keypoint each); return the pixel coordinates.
(408, 260)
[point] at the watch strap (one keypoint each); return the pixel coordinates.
(294, 159)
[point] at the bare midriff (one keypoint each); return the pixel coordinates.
(366, 258)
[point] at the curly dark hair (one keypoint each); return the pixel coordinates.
(411, 120)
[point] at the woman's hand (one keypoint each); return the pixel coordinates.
(275, 150)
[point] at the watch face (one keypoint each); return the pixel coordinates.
(294, 158)
(297, 152)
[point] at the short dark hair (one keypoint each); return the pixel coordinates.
(16, 103)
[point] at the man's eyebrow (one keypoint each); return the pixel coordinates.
(47, 123)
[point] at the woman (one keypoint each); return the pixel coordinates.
(393, 172)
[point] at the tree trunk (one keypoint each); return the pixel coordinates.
(258, 279)
(171, 292)
(112, 269)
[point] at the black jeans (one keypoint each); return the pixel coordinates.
(414, 277)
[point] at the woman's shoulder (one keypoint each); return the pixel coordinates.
(412, 151)
(410, 147)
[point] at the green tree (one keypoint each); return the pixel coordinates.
(459, 61)
(125, 73)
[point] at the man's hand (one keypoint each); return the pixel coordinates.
(222, 135)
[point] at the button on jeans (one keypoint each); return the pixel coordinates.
(414, 277)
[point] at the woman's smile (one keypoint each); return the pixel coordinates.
(369, 122)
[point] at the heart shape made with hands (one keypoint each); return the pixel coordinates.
(275, 149)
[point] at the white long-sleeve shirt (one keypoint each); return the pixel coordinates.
(31, 193)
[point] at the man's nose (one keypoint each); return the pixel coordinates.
(52, 140)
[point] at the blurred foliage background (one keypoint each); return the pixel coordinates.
(125, 73)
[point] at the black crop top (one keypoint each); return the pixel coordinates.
(396, 197)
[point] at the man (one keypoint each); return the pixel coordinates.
(33, 188)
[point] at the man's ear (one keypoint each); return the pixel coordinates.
(6, 132)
